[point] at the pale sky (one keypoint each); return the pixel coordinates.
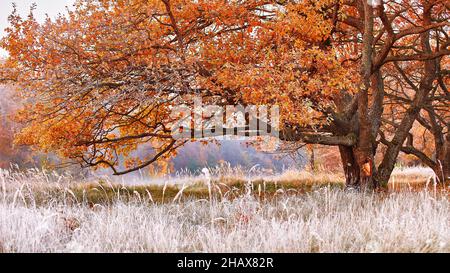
(50, 7)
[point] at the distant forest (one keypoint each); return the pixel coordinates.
(194, 156)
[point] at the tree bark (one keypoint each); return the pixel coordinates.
(350, 166)
(312, 160)
(363, 152)
(444, 161)
(426, 84)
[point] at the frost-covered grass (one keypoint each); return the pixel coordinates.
(323, 219)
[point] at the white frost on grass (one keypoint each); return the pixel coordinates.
(325, 220)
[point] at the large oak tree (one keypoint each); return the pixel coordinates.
(101, 81)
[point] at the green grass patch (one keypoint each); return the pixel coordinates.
(106, 193)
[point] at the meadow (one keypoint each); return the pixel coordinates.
(231, 210)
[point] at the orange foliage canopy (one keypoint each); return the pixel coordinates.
(102, 81)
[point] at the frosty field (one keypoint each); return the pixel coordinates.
(49, 213)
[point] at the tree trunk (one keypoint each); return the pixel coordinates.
(363, 152)
(444, 161)
(426, 84)
(312, 160)
(351, 168)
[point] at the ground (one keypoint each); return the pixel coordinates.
(295, 211)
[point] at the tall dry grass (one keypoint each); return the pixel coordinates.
(322, 220)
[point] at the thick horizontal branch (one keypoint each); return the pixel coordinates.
(125, 138)
(420, 155)
(417, 57)
(409, 149)
(330, 140)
